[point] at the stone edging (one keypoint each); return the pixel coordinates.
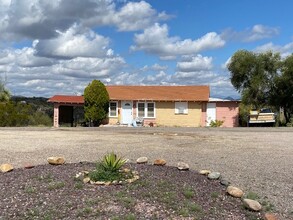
(233, 191)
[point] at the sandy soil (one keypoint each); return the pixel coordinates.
(255, 159)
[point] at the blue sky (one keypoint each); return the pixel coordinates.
(58, 47)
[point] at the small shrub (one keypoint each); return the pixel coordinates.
(215, 195)
(130, 217)
(267, 206)
(104, 175)
(188, 193)
(252, 195)
(216, 123)
(184, 212)
(40, 119)
(193, 207)
(78, 185)
(56, 185)
(30, 189)
(47, 178)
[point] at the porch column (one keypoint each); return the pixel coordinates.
(56, 115)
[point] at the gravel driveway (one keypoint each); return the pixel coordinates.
(255, 159)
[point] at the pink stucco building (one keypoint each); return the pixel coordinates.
(221, 109)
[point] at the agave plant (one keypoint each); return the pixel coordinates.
(111, 162)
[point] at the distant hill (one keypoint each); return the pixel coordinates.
(37, 103)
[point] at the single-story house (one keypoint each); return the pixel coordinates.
(189, 106)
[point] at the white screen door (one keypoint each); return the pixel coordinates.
(211, 113)
(126, 112)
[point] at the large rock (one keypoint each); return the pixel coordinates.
(205, 172)
(6, 167)
(29, 166)
(160, 162)
(56, 160)
(214, 175)
(224, 182)
(270, 216)
(142, 160)
(234, 191)
(182, 166)
(252, 205)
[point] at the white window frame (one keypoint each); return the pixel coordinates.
(181, 108)
(116, 109)
(146, 109)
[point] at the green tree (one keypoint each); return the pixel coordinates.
(263, 79)
(283, 91)
(253, 75)
(4, 93)
(96, 102)
(14, 114)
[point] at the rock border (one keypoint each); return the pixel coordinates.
(231, 190)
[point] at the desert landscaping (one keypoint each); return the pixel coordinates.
(257, 160)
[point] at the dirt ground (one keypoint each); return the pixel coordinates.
(258, 160)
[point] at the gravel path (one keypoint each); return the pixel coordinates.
(255, 159)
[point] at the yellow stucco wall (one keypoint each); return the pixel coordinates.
(113, 120)
(165, 115)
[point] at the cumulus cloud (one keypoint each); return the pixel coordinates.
(6, 57)
(156, 40)
(195, 63)
(67, 52)
(155, 67)
(71, 43)
(132, 16)
(26, 58)
(34, 19)
(284, 50)
(255, 33)
(31, 75)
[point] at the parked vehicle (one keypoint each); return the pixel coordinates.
(264, 116)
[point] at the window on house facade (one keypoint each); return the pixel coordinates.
(146, 109)
(181, 108)
(140, 109)
(113, 109)
(151, 110)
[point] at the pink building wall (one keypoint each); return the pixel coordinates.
(228, 112)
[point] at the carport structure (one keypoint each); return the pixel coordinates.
(64, 107)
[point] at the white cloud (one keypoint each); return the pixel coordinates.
(35, 19)
(155, 67)
(156, 40)
(132, 16)
(136, 16)
(26, 58)
(31, 75)
(72, 44)
(255, 33)
(6, 57)
(155, 79)
(284, 50)
(194, 63)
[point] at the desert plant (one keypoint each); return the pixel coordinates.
(188, 193)
(112, 163)
(216, 123)
(108, 169)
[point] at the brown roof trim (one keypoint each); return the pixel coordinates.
(67, 99)
(146, 93)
